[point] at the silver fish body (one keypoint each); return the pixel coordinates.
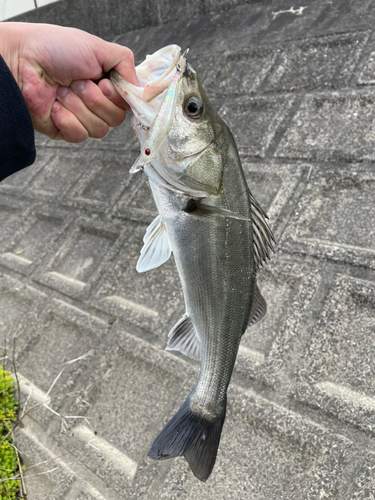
(218, 235)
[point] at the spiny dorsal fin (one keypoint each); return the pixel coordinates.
(184, 338)
(156, 249)
(258, 308)
(263, 238)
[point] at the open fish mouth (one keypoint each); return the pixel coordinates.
(155, 75)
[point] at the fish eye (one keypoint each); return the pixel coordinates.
(193, 107)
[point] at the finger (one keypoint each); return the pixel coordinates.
(96, 127)
(106, 86)
(69, 128)
(121, 59)
(98, 103)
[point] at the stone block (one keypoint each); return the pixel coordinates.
(59, 174)
(16, 183)
(102, 182)
(59, 344)
(309, 461)
(46, 476)
(137, 202)
(273, 186)
(147, 300)
(18, 304)
(233, 72)
(218, 30)
(326, 62)
(254, 121)
(338, 126)
(364, 484)
(267, 347)
(337, 371)
(367, 76)
(30, 244)
(12, 216)
(132, 388)
(346, 15)
(329, 221)
(82, 251)
(119, 139)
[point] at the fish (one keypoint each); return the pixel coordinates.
(215, 229)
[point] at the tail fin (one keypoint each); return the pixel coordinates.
(191, 435)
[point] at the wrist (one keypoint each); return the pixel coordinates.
(10, 47)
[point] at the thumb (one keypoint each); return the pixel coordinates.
(121, 59)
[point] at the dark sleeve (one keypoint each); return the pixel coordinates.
(17, 145)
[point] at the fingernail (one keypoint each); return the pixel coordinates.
(78, 86)
(62, 91)
(56, 106)
(108, 90)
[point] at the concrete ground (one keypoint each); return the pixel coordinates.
(296, 88)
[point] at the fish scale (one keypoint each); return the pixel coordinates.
(218, 235)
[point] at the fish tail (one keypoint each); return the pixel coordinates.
(193, 435)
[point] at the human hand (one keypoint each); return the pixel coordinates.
(56, 67)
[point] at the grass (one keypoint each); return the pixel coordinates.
(9, 488)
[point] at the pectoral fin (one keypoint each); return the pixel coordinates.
(258, 308)
(184, 338)
(156, 249)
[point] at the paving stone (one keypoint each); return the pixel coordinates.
(329, 221)
(46, 476)
(321, 63)
(18, 304)
(273, 186)
(364, 483)
(367, 76)
(132, 389)
(254, 121)
(137, 202)
(101, 184)
(343, 16)
(118, 138)
(45, 369)
(314, 133)
(337, 372)
(81, 253)
(16, 183)
(13, 213)
(282, 24)
(32, 241)
(266, 347)
(148, 300)
(220, 31)
(233, 72)
(59, 174)
(308, 465)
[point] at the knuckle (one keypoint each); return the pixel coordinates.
(94, 100)
(100, 131)
(118, 119)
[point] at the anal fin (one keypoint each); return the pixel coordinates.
(184, 338)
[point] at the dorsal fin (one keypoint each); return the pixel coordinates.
(184, 338)
(156, 249)
(263, 238)
(258, 308)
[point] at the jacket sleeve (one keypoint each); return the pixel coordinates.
(17, 145)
